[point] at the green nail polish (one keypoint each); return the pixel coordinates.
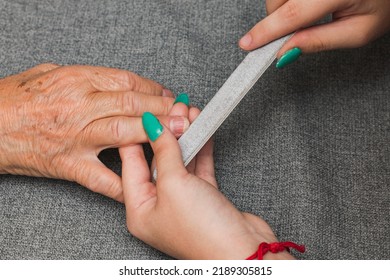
(289, 57)
(182, 98)
(152, 126)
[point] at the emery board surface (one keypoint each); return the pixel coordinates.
(227, 98)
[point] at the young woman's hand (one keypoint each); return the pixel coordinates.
(184, 214)
(355, 23)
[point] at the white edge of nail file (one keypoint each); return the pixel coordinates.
(227, 98)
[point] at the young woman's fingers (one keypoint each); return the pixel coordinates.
(205, 164)
(291, 16)
(192, 115)
(179, 111)
(135, 177)
(166, 150)
(191, 166)
(349, 33)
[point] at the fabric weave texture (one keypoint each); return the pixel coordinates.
(307, 149)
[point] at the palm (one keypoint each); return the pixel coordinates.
(187, 206)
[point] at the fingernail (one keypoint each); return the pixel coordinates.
(178, 125)
(167, 93)
(246, 40)
(152, 126)
(182, 98)
(289, 57)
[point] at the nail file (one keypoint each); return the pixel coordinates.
(227, 98)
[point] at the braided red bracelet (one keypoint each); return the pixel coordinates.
(275, 248)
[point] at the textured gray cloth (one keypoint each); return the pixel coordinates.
(307, 149)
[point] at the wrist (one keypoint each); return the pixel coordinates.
(248, 246)
(257, 241)
(253, 232)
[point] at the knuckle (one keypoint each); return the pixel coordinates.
(291, 11)
(131, 80)
(134, 155)
(129, 103)
(318, 44)
(117, 129)
(309, 42)
(167, 105)
(68, 75)
(89, 132)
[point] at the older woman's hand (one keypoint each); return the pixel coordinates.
(54, 121)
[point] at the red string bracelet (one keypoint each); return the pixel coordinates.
(275, 248)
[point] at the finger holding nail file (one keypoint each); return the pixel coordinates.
(227, 98)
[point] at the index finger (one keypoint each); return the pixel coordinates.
(107, 79)
(165, 147)
(109, 104)
(110, 79)
(291, 16)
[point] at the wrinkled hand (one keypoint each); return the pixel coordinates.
(54, 121)
(355, 23)
(184, 214)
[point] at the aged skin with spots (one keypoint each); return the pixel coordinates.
(22, 84)
(54, 121)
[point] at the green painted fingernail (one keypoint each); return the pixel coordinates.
(152, 126)
(289, 57)
(182, 98)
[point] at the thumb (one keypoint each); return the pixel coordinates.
(94, 175)
(165, 147)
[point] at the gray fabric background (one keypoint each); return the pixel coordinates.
(307, 149)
